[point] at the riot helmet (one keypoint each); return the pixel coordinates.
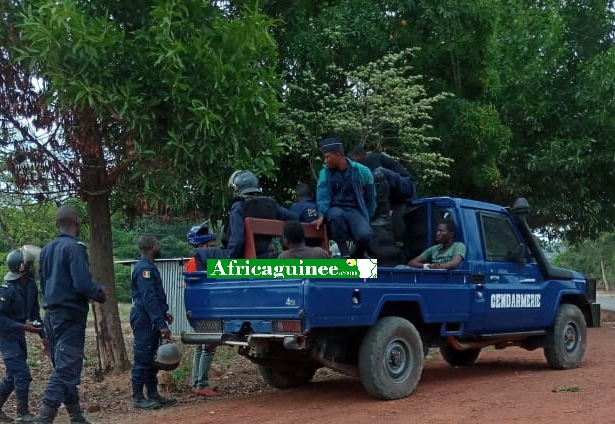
(21, 261)
(244, 183)
(199, 234)
(168, 356)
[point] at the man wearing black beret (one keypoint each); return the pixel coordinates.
(345, 198)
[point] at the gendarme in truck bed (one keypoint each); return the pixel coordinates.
(505, 293)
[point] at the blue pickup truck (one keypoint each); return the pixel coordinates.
(505, 293)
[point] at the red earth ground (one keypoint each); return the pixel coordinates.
(505, 386)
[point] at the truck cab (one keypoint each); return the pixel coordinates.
(504, 293)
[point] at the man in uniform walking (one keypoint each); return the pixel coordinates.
(67, 288)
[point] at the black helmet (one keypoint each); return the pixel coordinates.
(16, 264)
(167, 356)
(244, 183)
(21, 261)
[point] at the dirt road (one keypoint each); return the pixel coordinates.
(512, 385)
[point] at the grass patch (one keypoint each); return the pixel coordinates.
(562, 389)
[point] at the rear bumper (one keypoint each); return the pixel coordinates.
(289, 341)
(202, 338)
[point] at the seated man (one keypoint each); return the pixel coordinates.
(305, 206)
(447, 254)
(294, 240)
(345, 198)
(248, 202)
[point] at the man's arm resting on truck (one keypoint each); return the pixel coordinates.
(457, 251)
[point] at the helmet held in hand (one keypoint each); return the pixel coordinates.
(168, 356)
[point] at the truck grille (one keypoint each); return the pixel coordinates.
(208, 326)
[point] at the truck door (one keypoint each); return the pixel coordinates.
(511, 291)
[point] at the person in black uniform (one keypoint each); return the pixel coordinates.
(67, 287)
(149, 320)
(401, 183)
(19, 313)
(249, 202)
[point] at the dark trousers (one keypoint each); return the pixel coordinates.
(401, 188)
(146, 342)
(65, 332)
(17, 376)
(348, 224)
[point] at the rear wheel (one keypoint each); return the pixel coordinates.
(565, 344)
(391, 358)
(284, 378)
(459, 358)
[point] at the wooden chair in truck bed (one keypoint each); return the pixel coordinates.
(272, 227)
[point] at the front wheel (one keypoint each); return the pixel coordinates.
(283, 378)
(391, 358)
(566, 341)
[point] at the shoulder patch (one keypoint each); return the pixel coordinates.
(147, 274)
(82, 244)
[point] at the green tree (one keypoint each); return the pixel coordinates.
(144, 101)
(383, 106)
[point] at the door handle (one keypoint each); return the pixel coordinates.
(494, 278)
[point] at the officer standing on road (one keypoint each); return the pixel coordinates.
(19, 313)
(67, 287)
(149, 320)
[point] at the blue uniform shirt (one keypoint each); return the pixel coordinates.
(148, 294)
(65, 275)
(342, 189)
(18, 304)
(306, 209)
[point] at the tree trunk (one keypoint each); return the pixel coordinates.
(109, 335)
(96, 191)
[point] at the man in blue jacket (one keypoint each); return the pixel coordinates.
(345, 198)
(67, 288)
(249, 202)
(19, 313)
(149, 320)
(305, 206)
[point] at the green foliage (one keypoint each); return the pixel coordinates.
(382, 106)
(591, 257)
(179, 86)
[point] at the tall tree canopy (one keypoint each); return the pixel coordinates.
(116, 101)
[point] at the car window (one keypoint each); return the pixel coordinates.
(501, 243)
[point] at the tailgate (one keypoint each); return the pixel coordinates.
(241, 300)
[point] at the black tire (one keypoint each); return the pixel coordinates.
(285, 378)
(459, 358)
(391, 358)
(566, 341)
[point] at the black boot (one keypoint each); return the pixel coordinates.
(75, 414)
(161, 400)
(48, 414)
(139, 402)
(3, 417)
(343, 247)
(23, 412)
